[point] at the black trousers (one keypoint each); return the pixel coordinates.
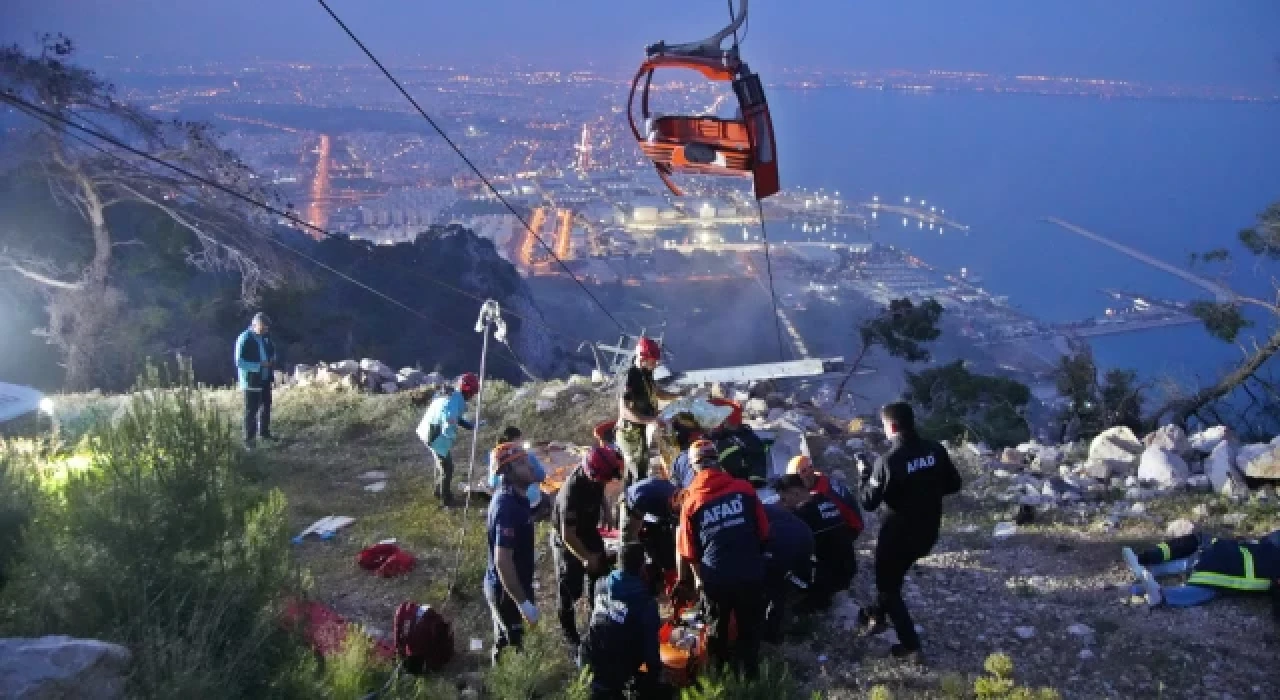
(898, 548)
(257, 413)
(1177, 548)
(743, 602)
(776, 586)
(834, 573)
(571, 577)
(508, 623)
(659, 544)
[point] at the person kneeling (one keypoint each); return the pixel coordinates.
(623, 633)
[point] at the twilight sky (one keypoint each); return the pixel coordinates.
(1230, 42)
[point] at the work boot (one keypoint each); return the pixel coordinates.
(911, 656)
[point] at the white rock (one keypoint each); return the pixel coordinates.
(1200, 482)
(1011, 456)
(1002, 474)
(553, 391)
(1206, 440)
(543, 405)
(1162, 466)
(1131, 482)
(1025, 632)
(1138, 509)
(578, 398)
(390, 387)
(1117, 445)
(437, 380)
(1261, 464)
(62, 667)
(1099, 469)
(1003, 530)
(303, 373)
(1047, 459)
(1201, 511)
(1222, 472)
(1179, 528)
(1140, 494)
(345, 367)
(1080, 630)
(376, 487)
(579, 380)
(978, 449)
(1234, 519)
(1169, 437)
(757, 406)
(377, 368)
(373, 475)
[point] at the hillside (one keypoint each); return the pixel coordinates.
(1053, 596)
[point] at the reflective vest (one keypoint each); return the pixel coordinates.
(1231, 564)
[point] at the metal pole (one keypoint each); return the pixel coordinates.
(483, 325)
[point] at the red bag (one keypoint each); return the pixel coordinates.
(423, 639)
(371, 558)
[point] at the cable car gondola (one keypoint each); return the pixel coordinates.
(708, 145)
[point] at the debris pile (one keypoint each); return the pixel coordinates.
(372, 376)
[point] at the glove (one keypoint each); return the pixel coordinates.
(530, 611)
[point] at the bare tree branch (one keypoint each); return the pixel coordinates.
(9, 263)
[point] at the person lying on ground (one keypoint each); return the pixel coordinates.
(1214, 565)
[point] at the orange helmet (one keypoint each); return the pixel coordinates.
(800, 465)
(648, 349)
(503, 455)
(703, 453)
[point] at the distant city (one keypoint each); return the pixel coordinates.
(353, 158)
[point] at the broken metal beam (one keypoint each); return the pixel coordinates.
(812, 367)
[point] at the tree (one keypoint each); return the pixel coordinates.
(902, 329)
(1093, 405)
(76, 270)
(1224, 318)
(955, 402)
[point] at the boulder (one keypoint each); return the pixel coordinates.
(552, 391)
(1011, 456)
(978, 449)
(1207, 439)
(1162, 466)
(1259, 461)
(757, 407)
(377, 368)
(303, 374)
(435, 379)
(62, 667)
(1116, 446)
(1047, 460)
(1099, 469)
(1179, 528)
(1200, 482)
(1222, 472)
(1169, 437)
(579, 380)
(344, 367)
(389, 387)
(543, 405)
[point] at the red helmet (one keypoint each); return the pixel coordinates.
(648, 349)
(468, 384)
(602, 463)
(703, 453)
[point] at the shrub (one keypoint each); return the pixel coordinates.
(999, 685)
(17, 500)
(774, 682)
(536, 671)
(158, 540)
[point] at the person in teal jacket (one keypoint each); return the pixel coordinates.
(439, 430)
(255, 364)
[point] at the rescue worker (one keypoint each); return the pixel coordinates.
(508, 580)
(742, 453)
(911, 480)
(637, 410)
(833, 540)
(1215, 565)
(788, 564)
(836, 490)
(653, 507)
(439, 430)
(623, 633)
(723, 528)
(540, 505)
(577, 547)
(255, 366)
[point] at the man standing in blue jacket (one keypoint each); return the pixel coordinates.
(439, 430)
(255, 364)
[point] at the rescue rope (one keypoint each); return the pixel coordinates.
(773, 296)
(467, 160)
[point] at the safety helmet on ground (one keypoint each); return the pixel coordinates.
(503, 455)
(468, 384)
(800, 464)
(602, 463)
(703, 453)
(648, 349)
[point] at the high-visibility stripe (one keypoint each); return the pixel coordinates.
(724, 455)
(1248, 562)
(1164, 550)
(1238, 583)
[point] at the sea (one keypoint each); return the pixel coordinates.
(1168, 178)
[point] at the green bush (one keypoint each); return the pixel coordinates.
(538, 670)
(774, 682)
(1000, 685)
(156, 538)
(17, 501)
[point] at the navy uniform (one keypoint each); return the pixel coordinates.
(789, 562)
(911, 480)
(510, 526)
(622, 635)
(833, 548)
